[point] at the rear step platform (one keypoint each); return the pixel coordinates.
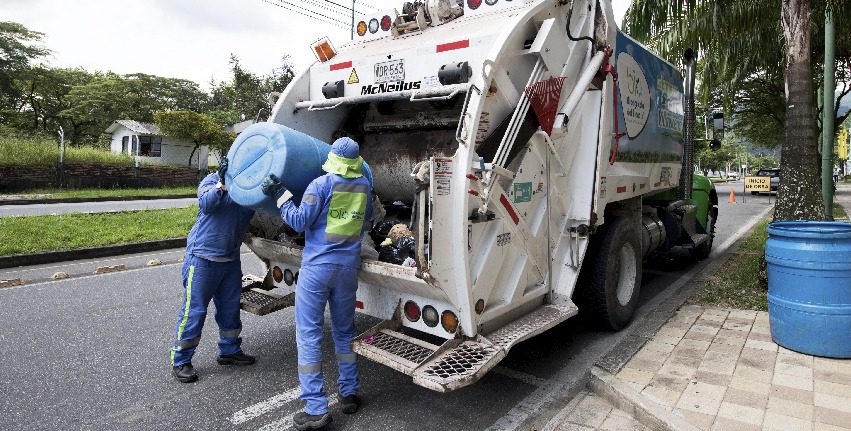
(456, 363)
(262, 302)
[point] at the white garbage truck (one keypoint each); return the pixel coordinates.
(535, 155)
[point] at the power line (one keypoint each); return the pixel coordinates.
(313, 11)
(368, 5)
(326, 20)
(346, 7)
(315, 3)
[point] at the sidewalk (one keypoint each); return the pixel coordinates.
(717, 369)
(843, 196)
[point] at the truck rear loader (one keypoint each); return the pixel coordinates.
(535, 155)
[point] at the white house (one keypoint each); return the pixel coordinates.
(149, 146)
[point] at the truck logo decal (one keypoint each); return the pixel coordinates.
(634, 94)
(389, 87)
(353, 77)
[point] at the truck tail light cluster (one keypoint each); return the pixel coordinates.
(448, 319)
(474, 4)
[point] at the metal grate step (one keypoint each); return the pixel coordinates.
(394, 349)
(261, 302)
(458, 366)
(532, 324)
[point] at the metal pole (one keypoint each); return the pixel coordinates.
(61, 157)
(827, 116)
(353, 19)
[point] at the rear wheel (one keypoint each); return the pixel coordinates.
(702, 251)
(610, 279)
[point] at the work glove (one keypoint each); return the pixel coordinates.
(273, 188)
(223, 168)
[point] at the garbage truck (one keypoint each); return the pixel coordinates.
(527, 158)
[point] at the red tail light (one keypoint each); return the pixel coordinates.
(474, 4)
(385, 22)
(412, 311)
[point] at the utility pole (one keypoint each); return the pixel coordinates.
(827, 116)
(61, 157)
(353, 19)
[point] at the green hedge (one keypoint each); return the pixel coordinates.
(40, 151)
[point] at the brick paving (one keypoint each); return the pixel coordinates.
(588, 412)
(719, 370)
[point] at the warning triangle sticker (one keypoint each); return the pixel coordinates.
(353, 77)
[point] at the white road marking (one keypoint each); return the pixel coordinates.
(287, 422)
(264, 407)
(557, 385)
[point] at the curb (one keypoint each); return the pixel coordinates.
(88, 253)
(625, 398)
(94, 199)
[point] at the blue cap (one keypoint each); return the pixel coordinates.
(346, 147)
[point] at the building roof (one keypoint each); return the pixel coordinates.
(138, 127)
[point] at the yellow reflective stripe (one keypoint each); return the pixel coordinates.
(185, 309)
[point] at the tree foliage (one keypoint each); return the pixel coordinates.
(754, 53)
(200, 129)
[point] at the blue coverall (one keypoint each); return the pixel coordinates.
(332, 214)
(212, 270)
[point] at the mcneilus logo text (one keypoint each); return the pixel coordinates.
(389, 87)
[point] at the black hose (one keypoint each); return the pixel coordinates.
(570, 36)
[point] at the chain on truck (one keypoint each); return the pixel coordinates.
(535, 155)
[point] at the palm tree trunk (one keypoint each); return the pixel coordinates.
(799, 195)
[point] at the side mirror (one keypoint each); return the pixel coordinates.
(714, 144)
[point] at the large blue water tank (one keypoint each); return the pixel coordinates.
(269, 148)
(809, 286)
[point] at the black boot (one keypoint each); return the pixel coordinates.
(237, 358)
(350, 404)
(184, 373)
(304, 421)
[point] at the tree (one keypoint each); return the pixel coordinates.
(18, 49)
(245, 95)
(198, 128)
(741, 40)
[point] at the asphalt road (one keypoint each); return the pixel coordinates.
(91, 352)
(93, 207)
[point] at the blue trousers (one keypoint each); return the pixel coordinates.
(204, 280)
(317, 285)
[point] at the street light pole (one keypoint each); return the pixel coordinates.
(827, 116)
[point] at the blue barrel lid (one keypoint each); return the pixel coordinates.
(258, 151)
(810, 229)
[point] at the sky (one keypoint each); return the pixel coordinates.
(190, 39)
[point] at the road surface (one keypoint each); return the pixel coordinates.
(93, 207)
(91, 352)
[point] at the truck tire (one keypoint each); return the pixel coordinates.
(610, 279)
(702, 251)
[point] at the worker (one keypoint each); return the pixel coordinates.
(212, 270)
(332, 214)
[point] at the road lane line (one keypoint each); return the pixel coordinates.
(264, 407)
(287, 422)
(560, 383)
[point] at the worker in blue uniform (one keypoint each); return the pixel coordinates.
(333, 215)
(212, 270)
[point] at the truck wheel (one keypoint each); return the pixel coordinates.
(610, 279)
(702, 251)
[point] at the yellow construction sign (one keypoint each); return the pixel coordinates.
(757, 184)
(842, 144)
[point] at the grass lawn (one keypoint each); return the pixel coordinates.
(116, 192)
(735, 283)
(43, 151)
(34, 234)
(839, 212)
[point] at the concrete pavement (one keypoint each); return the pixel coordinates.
(93, 207)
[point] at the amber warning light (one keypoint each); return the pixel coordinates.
(323, 50)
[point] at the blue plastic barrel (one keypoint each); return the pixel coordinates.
(809, 286)
(269, 148)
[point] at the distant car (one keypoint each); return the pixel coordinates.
(733, 175)
(774, 173)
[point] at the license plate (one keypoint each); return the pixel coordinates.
(390, 71)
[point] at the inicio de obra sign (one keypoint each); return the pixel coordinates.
(757, 184)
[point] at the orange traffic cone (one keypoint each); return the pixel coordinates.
(732, 197)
